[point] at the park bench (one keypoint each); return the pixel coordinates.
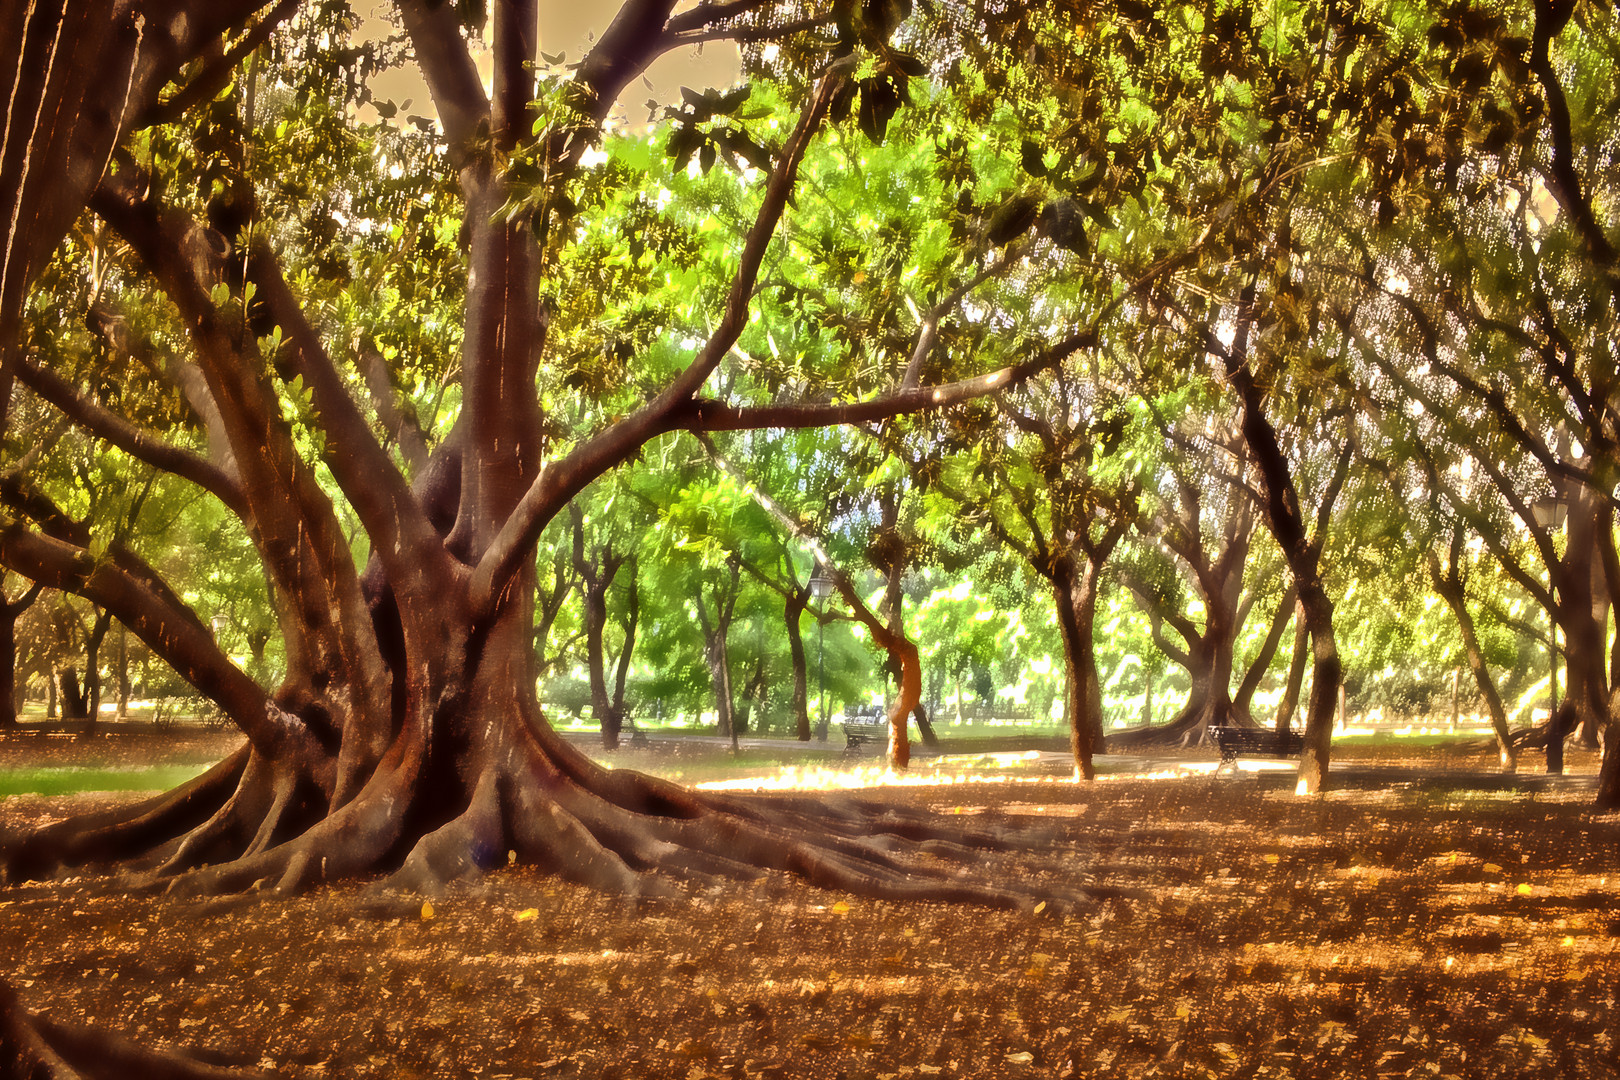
(857, 735)
(1236, 742)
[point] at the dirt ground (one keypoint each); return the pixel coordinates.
(1424, 918)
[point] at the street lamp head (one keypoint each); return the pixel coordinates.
(821, 586)
(1549, 511)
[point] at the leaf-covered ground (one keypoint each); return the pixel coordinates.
(1424, 919)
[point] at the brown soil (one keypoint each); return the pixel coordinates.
(1424, 918)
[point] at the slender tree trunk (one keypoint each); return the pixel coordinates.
(607, 717)
(92, 666)
(1243, 701)
(1450, 589)
(796, 604)
(123, 672)
(925, 727)
(1296, 671)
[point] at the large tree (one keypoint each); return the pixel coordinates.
(405, 737)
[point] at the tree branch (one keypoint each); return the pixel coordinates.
(448, 68)
(217, 70)
(137, 442)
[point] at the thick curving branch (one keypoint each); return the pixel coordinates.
(558, 483)
(393, 517)
(447, 66)
(172, 632)
(135, 441)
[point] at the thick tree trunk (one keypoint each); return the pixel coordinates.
(1074, 593)
(1582, 614)
(406, 738)
(1327, 675)
(74, 706)
(11, 691)
(8, 668)
(908, 695)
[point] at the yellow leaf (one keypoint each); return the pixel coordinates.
(1023, 1057)
(1040, 907)
(1568, 941)
(526, 914)
(1492, 868)
(1525, 890)
(1272, 859)
(840, 908)
(1182, 1012)
(427, 910)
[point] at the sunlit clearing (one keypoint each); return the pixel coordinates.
(878, 774)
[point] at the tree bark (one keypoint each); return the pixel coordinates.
(1287, 524)
(1243, 700)
(10, 690)
(406, 738)
(1448, 584)
(1074, 592)
(1296, 671)
(92, 665)
(1582, 612)
(796, 603)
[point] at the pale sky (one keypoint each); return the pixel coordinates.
(569, 26)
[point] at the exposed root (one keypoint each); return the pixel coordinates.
(34, 1047)
(125, 832)
(239, 814)
(534, 799)
(459, 851)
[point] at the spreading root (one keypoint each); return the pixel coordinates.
(1189, 728)
(248, 826)
(35, 1047)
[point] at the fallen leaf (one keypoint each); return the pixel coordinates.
(1491, 868)
(427, 910)
(526, 914)
(840, 908)
(1023, 1057)
(1525, 890)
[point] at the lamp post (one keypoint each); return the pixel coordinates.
(821, 587)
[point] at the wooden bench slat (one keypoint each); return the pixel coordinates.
(858, 735)
(1235, 742)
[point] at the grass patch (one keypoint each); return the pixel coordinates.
(72, 781)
